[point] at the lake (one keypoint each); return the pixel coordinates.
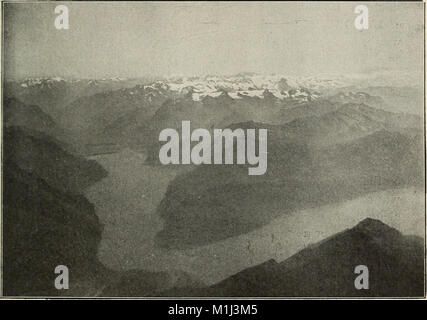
(127, 198)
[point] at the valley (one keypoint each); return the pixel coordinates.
(334, 157)
(126, 204)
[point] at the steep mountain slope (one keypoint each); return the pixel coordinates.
(42, 155)
(44, 228)
(106, 117)
(395, 263)
(16, 113)
(32, 118)
(46, 222)
(47, 93)
(224, 201)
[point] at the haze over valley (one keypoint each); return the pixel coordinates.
(344, 185)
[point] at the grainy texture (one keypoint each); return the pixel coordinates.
(84, 184)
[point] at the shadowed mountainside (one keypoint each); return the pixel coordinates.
(224, 201)
(38, 153)
(16, 113)
(395, 263)
(45, 228)
(48, 223)
(111, 116)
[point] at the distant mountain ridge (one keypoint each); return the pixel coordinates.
(347, 122)
(55, 93)
(121, 112)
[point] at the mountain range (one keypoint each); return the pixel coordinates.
(118, 112)
(328, 141)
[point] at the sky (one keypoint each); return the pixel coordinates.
(135, 39)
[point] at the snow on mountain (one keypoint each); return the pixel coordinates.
(250, 85)
(236, 86)
(47, 82)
